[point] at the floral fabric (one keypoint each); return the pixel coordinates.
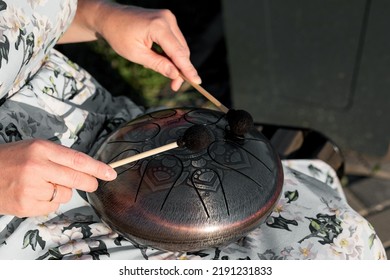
(311, 221)
(28, 30)
(44, 95)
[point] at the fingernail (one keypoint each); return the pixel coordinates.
(110, 174)
(197, 80)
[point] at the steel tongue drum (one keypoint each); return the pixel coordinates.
(187, 199)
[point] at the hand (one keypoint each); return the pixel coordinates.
(131, 32)
(30, 169)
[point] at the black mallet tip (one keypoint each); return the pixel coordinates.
(196, 138)
(240, 121)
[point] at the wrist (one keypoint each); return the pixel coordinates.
(92, 14)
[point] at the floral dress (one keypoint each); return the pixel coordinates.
(44, 95)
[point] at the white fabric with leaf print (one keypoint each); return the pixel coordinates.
(28, 31)
(311, 221)
(44, 95)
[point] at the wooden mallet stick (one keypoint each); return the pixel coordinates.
(195, 138)
(240, 121)
(206, 94)
(139, 156)
(199, 88)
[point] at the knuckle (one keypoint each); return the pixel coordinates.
(158, 65)
(75, 179)
(166, 14)
(29, 166)
(100, 170)
(84, 182)
(79, 159)
(163, 18)
(182, 52)
(35, 146)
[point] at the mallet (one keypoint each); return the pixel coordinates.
(240, 121)
(195, 138)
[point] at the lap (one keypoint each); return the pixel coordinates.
(312, 220)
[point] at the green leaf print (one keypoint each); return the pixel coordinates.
(96, 252)
(52, 254)
(33, 239)
(118, 240)
(30, 47)
(280, 222)
(4, 49)
(48, 90)
(84, 226)
(291, 195)
(315, 225)
(314, 170)
(19, 39)
(325, 227)
(371, 240)
(50, 44)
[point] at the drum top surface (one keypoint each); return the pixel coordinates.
(184, 200)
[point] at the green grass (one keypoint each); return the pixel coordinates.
(152, 87)
(143, 81)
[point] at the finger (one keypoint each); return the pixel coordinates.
(160, 64)
(44, 191)
(176, 84)
(64, 195)
(170, 23)
(177, 32)
(41, 191)
(178, 54)
(56, 194)
(81, 162)
(70, 178)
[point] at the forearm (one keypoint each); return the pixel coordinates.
(86, 25)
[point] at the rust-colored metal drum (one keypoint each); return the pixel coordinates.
(181, 200)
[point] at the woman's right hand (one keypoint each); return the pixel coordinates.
(30, 170)
(131, 31)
